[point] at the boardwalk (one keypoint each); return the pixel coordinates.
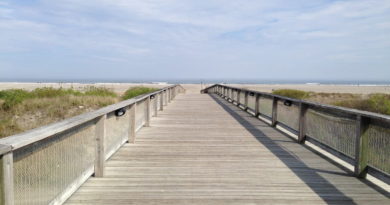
(202, 150)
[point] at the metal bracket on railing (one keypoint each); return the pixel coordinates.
(120, 112)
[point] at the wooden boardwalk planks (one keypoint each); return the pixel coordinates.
(202, 150)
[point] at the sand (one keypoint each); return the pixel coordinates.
(356, 89)
(195, 88)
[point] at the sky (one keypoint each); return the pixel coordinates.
(204, 39)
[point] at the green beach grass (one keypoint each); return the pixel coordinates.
(21, 110)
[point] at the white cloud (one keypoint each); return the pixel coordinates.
(214, 30)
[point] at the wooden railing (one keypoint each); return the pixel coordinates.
(46, 165)
(360, 138)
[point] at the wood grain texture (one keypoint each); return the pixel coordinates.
(203, 150)
(99, 148)
(7, 179)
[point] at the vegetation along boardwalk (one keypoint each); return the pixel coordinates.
(173, 146)
(204, 150)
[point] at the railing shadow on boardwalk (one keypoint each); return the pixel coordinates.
(290, 160)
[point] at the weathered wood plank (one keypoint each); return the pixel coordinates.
(100, 149)
(220, 155)
(132, 127)
(7, 179)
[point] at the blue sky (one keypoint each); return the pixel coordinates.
(176, 39)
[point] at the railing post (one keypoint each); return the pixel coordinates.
(155, 105)
(238, 97)
(361, 146)
(274, 111)
(100, 150)
(132, 111)
(169, 95)
(7, 179)
(227, 94)
(162, 101)
(165, 97)
(302, 122)
(257, 103)
(246, 100)
(147, 114)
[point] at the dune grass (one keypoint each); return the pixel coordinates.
(136, 91)
(377, 102)
(13, 97)
(22, 110)
(291, 93)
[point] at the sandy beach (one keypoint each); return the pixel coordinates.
(324, 88)
(191, 88)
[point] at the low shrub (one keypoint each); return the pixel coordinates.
(378, 102)
(48, 92)
(13, 96)
(291, 93)
(136, 91)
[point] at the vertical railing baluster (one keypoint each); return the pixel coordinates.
(257, 104)
(228, 94)
(246, 100)
(162, 100)
(169, 95)
(238, 97)
(155, 105)
(100, 150)
(165, 97)
(147, 114)
(361, 146)
(274, 111)
(7, 179)
(302, 122)
(132, 116)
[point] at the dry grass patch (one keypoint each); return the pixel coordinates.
(378, 102)
(22, 110)
(36, 112)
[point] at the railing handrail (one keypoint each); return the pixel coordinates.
(350, 111)
(17, 141)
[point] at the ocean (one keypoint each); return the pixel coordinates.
(206, 81)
